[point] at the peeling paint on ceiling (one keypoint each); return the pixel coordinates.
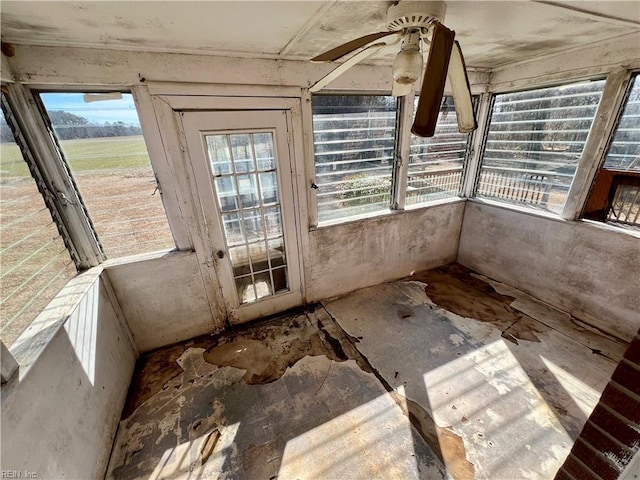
(491, 33)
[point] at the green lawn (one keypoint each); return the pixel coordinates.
(83, 155)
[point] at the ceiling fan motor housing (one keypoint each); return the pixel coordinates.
(412, 15)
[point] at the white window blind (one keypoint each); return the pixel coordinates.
(35, 262)
(535, 140)
(435, 164)
(354, 139)
(624, 152)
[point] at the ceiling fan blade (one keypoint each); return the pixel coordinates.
(343, 67)
(461, 91)
(435, 76)
(401, 89)
(338, 52)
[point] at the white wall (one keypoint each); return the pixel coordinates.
(587, 269)
(60, 413)
(360, 254)
(162, 297)
(165, 301)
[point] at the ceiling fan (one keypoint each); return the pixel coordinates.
(416, 24)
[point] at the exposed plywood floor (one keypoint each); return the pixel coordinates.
(446, 374)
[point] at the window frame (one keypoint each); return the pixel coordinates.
(314, 222)
(80, 89)
(399, 172)
(49, 198)
(632, 76)
(580, 164)
(53, 173)
(602, 189)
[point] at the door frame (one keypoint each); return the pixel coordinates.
(196, 126)
(174, 159)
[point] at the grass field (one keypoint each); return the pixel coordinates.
(83, 155)
(118, 187)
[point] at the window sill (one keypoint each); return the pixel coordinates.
(434, 203)
(610, 227)
(525, 209)
(557, 218)
(387, 213)
(142, 257)
(36, 337)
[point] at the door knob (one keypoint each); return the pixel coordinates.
(220, 254)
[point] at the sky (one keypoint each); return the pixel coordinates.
(100, 112)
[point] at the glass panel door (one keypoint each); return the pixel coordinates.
(242, 172)
(246, 185)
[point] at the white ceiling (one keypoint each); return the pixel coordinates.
(491, 33)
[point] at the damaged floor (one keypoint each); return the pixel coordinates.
(444, 375)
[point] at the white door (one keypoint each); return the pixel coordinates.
(242, 168)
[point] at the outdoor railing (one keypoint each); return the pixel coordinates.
(433, 184)
(625, 207)
(526, 186)
(615, 197)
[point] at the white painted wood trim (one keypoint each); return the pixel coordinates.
(578, 63)
(221, 90)
(472, 168)
(47, 66)
(193, 124)
(105, 283)
(58, 182)
(300, 198)
(177, 156)
(6, 73)
(309, 159)
(8, 364)
(401, 164)
(597, 142)
(195, 103)
(161, 167)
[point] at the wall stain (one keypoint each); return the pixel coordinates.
(453, 288)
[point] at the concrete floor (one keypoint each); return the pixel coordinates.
(443, 375)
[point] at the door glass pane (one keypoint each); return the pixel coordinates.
(269, 187)
(227, 194)
(263, 143)
(248, 190)
(242, 154)
(219, 154)
(259, 258)
(246, 186)
(276, 252)
(233, 229)
(273, 222)
(253, 228)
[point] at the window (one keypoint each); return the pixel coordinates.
(101, 139)
(435, 164)
(615, 195)
(354, 139)
(624, 152)
(534, 143)
(35, 262)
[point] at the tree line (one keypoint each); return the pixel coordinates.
(69, 126)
